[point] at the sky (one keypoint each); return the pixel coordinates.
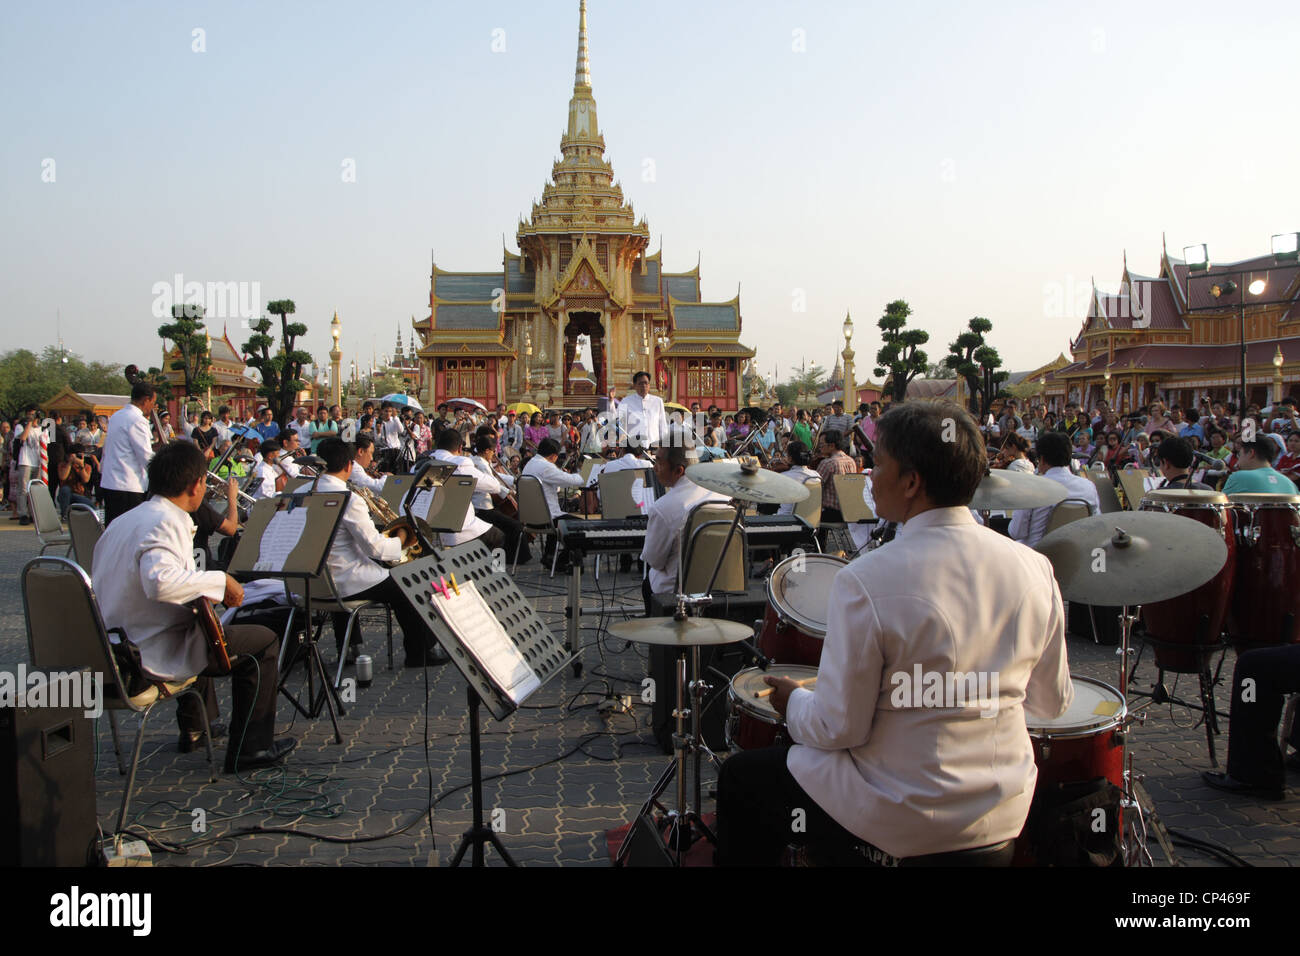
(822, 158)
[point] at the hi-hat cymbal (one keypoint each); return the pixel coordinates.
(743, 479)
(1133, 557)
(692, 632)
(1001, 490)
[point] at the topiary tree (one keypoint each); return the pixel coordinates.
(977, 362)
(900, 357)
(281, 371)
(194, 361)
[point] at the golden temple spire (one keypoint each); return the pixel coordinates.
(582, 77)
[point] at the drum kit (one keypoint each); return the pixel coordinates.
(1179, 546)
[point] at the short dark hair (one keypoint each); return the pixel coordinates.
(798, 453)
(224, 409)
(1054, 448)
(363, 441)
(142, 390)
(1176, 451)
(336, 453)
(1262, 446)
(450, 440)
(269, 446)
(286, 434)
(483, 443)
(548, 447)
(832, 436)
(941, 443)
(637, 377)
(175, 467)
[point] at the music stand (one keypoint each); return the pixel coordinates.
(304, 561)
(540, 648)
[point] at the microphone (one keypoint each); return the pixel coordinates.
(762, 661)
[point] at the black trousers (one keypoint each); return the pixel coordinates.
(417, 639)
(118, 503)
(1253, 754)
(510, 528)
(254, 679)
(757, 802)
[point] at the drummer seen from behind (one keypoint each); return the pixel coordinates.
(879, 763)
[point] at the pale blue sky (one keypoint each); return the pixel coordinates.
(970, 158)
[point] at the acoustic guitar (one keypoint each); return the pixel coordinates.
(214, 635)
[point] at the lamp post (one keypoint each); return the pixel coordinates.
(1277, 376)
(336, 358)
(850, 395)
(1106, 376)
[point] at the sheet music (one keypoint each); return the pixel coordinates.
(282, 534)
(469, 616)
(592, 479)
(1151, 482)
(422, 503)
(643, 494)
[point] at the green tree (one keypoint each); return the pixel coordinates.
(971, 357)
(939, 370)
(807, 381)
(26, 379)
(900, 357)
(190, 337)
(281, 371)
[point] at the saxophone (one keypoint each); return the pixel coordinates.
(389, 521)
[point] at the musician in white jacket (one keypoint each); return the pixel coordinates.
(354, 564)
(144, 578)
(883, 760)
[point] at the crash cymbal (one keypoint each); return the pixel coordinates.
(692, 632)
(745, 480)
(1132, 557)
(1001, 490)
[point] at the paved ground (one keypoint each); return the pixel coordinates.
(566, 773)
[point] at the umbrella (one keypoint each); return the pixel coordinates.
(397, 398)
(522, 408)
(466, 403)
(245, 431)
(674, 407)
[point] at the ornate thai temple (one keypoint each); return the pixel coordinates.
(583, 305)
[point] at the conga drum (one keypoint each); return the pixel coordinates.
(798, 603)
(1266, 599)
(1178, 628)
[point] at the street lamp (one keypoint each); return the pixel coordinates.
(850, 387)
(1277, 376)
(1106, 376)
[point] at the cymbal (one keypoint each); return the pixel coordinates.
(692, 632)
(1132, 557)
(743, 479)
(1000, 490)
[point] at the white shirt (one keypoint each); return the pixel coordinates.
(266, 473)
(144, 573)
(1021, 464)
(304, 431)
(1028, 525)
(644, 418)
(803, 475)
(359, 477)
(911, 779)
(552, 477)
(223, 428)
(482, 500)
(665, 519)
(389, 434)
(29, 453)
(472, 526)
(357, 546)
(628, 462)
(127, 450)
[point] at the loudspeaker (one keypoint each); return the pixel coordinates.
(47, 786)
(646, 845)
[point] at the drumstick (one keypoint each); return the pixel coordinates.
(799, 683)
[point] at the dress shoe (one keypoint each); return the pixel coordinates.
(1221, 781)
(262, 758)
(1293, 761)
(190, 741)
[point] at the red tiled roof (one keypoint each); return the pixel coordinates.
(1150, 299)
(1183, 358)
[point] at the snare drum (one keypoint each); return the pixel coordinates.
(752, 721)
(798, 602)
(1200, 616)
(1082, 744)
(1266, 601)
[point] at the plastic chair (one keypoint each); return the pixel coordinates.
(45, 518)
(85, 528)
(65, 631)
(810, 509)
(1065, 511)
(616, 498)
(1106, 493)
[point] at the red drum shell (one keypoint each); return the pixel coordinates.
(1177, 620)
(798, 595)
(1266, 601)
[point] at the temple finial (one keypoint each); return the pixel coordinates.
(582, 77)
